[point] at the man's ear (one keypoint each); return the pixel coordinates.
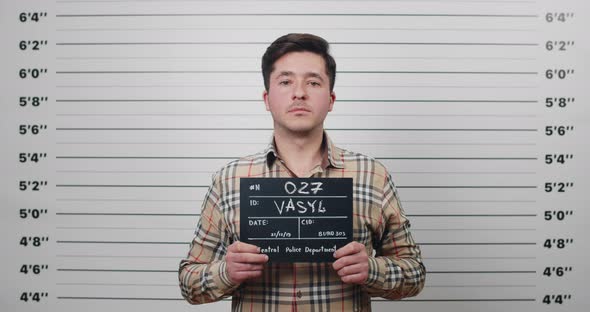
(265, 98)
(332, 100)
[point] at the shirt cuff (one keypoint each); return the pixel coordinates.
(384, 274)
(222, 279)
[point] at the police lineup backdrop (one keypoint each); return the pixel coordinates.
(115, 114)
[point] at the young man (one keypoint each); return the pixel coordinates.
(383, 259)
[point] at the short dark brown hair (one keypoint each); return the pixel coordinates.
(298, 43)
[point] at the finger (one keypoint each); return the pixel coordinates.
(354, 269)
(247, 275)
(342, 262)
(349, 260)
(247, 258)
(349, 249)
(240, 247)
(354, 278)
(243, 267)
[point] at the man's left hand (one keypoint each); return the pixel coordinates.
(352, 263)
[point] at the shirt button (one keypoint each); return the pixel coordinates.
(299, 294)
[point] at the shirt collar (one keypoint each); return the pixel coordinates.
(333, 157)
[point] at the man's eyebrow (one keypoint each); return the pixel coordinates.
(307, 75)
(285, 73)
(314, 75)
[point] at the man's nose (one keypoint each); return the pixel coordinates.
(299, 91)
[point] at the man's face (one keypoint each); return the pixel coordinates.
(298, 95)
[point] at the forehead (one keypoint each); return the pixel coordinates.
(300, 63)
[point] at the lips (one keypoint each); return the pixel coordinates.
(298, 109)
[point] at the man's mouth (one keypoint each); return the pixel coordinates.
(299, 109)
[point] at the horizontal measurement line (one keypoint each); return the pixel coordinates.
(119, 298)
(233, 1)
(196, 214)
(484, 229)
(142, 157)
(461, 300)
(472, 215)
(457, 158)
(477, 244)
(502, 44)
(463, 286)
(119, 228)
(228, 157)
(119, 256)
(340, 85)
(495, 58)
(115, 270)
(153, 100)
(176, 271)
(299, 14)
(258, 72)
(257, 87)
(373, 300)
(157, 285)
(470, 29)
(480, 272)
(163, 171)
(127, 214)
(400, 187)
(180, 256)
(126, 200)
(270, 129)
(120, 242)
(469, 186)
(212, 172)
(163, 129)
(164, 143)
(183, 243)
(129, 185)
(470, 201)
(258, 101)
(484, 258)
(463, 172)
(331, 114)
(265, 143)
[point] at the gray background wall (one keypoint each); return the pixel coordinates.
(141, 101)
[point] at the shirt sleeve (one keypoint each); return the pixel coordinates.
(396, 271)
(202, 275)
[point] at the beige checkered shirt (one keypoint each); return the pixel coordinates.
(379, 222)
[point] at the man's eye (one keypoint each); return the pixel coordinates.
(284, 82)
(314, 83)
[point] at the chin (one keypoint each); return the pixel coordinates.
(299, 126)
(301, 129)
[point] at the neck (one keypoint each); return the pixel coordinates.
(300, 152)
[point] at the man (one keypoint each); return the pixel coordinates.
(382, 260)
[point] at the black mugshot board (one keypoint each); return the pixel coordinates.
(296, 219)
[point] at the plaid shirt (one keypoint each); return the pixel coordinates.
(395, 266)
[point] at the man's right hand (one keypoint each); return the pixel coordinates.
(244, 261)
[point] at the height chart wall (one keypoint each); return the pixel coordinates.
(115, 114)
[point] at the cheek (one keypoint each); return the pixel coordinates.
(277, 98)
